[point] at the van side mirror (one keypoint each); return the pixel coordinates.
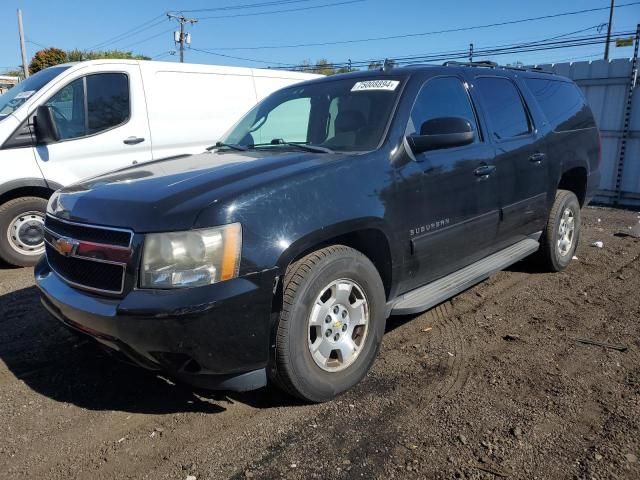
(442, 132)
(45, 126)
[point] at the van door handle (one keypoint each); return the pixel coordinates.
(537, 158)
(133, 140)
(484, 170)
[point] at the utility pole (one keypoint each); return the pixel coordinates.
(606, 45)
(25, 67)
(471, 53)
(181, 37)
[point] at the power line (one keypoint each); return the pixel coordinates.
(440, 55)
(130, 35)
(132, 31)
(246, 6)
(150, 23)
(28, 40)
(237, 58)
(507, 50)
(163, 54)
(335, 4)
(541, 45)
(421, 34)
(138, 42)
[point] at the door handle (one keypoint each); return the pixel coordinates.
(133, 140)
(537, 157)
(484, 170)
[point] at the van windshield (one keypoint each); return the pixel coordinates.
(16, 96)
(341, 115)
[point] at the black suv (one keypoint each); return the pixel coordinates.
(332, 204)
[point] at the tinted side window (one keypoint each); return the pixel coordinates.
(106, 106)
(562, 103)
(107, 101)
(504, 107)
(441, 97)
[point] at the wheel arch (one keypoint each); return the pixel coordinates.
(26, 187)
(575, 180)
(368, 236)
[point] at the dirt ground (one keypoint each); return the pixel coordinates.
(493, 384)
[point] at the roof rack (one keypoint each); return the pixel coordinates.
(490, 64)
(480, 63)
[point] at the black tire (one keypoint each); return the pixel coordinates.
(550, 257)
(294, 369)
(8, 212)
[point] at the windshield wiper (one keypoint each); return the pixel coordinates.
(302, 146)
(233, 146)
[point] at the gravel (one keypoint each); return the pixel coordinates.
(461, 401)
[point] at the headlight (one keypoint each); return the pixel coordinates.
(192, 258)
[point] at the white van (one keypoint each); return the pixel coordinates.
(103, 115)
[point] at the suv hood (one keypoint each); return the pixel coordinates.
(168, 194)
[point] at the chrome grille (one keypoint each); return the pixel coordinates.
(87, 256)
(89, 233)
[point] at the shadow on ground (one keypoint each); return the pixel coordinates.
(5, 266)
(72, 368)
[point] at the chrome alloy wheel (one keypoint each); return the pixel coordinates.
(338, 325)
(566, 232)
(25, 233)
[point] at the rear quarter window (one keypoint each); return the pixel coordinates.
(562, 103)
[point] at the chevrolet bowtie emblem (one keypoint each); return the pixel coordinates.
(65, 246)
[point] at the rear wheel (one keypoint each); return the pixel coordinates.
(560, 237)
(331, 323)
(21, 230)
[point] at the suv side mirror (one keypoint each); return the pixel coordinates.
(442, 132)
(45, 126)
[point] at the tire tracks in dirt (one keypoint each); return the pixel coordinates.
(448, 376)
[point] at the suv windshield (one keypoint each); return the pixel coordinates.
(340, 115)
(16, 96)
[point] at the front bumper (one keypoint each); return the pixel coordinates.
(214, 337)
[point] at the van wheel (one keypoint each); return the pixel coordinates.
(331, 323)
(560, 237)
(21, 230)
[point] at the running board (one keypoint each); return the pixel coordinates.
(430, 295)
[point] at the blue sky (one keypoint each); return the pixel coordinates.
(71, 24)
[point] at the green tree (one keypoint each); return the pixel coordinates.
(77, 55)
(54, 56)
(323, 67)
(375, 65)
(47, 58)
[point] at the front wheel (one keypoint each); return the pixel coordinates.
(560, 237)
(331, 323)
(21, 230)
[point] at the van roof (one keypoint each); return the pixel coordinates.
(196, 67)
